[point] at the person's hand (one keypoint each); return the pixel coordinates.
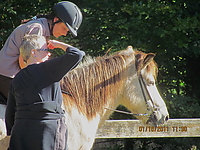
(50, 46)
(53, 44)
(57, 44)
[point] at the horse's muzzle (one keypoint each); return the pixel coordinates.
(155, 119)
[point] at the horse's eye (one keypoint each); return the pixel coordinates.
(151, 83)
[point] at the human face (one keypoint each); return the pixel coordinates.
(42, 54)
(60, 29)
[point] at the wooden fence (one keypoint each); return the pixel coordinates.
(135, 129)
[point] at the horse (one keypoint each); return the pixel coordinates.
(98, 85)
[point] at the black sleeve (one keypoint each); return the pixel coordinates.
(10, 112)
(53, 70)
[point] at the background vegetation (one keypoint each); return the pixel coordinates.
(168, 28)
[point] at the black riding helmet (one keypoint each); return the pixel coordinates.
(69, 14)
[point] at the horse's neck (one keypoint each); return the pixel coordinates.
(101, 93)
(111, 105)
(106, 114)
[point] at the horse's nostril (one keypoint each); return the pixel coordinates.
(167, 118)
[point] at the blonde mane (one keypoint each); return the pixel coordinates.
(95, 81)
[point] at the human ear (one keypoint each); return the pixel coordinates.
(33, 54)
(56, 19)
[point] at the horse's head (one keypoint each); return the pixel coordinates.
(146, 99)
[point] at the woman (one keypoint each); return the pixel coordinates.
(34, 117)
(66, 17)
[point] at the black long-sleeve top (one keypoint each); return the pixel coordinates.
(36, 89)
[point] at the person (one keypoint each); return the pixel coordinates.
(34, 117)
(66, 16)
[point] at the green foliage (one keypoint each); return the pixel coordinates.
(183, 107)
(12, 12)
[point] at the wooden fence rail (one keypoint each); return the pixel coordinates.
(135, 129)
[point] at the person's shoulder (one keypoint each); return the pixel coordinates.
(38, 25)
(26, 71)
(35, 24)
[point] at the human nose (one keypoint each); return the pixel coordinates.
(65, 33)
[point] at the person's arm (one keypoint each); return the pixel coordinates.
(10, 112)
(54, 69)
(57, 44)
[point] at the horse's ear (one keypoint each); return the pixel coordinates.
(129, 48)
(147, 60)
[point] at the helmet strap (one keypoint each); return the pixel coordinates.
(53, 24)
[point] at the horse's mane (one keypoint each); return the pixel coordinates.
(96, 80)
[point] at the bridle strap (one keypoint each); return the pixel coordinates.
(124, 112)
(141, 81)
(65, 92)
(143, 84)
(52, 25)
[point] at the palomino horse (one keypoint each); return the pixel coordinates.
(98, 85)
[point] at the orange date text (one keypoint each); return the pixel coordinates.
(162, 129)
